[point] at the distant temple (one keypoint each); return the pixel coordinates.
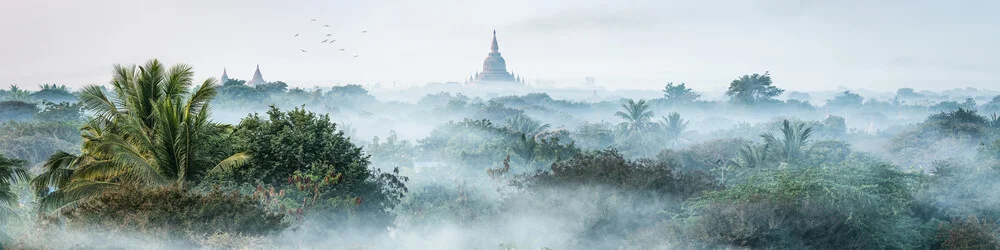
(494, 67)
(254, 81)
(257, 79)
(225, 77)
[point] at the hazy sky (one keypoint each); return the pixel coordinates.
(806, 45)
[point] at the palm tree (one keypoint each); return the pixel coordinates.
(673, 125)
(11, 172)
(17, 94)
(525, 125)
(791, 147)
(637, 115)
(147, 131)
(752, 156)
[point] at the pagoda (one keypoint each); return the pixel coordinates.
(225, 77)
(257, 79)
(494, 67)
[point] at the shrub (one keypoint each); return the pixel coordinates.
(606, 197)
(849, 207)
(302, 144)
(173, 214)
(969, 233)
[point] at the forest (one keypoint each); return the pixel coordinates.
(156, 159)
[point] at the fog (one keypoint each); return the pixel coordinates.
(578, 174)
(588, 125)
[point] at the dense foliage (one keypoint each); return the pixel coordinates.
(173, 214)
(289, 147)
(138, 163)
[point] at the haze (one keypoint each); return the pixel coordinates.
(807, 45)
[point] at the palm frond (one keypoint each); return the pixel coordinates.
(231, 163)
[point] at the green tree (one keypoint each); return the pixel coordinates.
(637, 115)
(673, 125)
(17, 111)
(150, 131)
(679, 93)
(752, 89)
(54, 93)
(525, 125)
(791, 147)
(846, 99)
(302, 144)
(15, 94)
(60, 112)
(11, 172)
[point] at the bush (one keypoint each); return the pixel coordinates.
(173, 214)
(609, 168)
(606, 197)
(300, 144)
(849, 207)
(969, 233)
(704, 156)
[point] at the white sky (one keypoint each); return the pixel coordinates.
(806, 45)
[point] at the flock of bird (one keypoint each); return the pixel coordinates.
(329, 38)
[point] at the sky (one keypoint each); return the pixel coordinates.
(805, 45)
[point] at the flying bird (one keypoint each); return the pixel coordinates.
(329, 34)
(324, 41)
(313, 20)
(303, 51)
(356, 55)
(326, 25)
(341, 50)
(296, 35)
(364, 32)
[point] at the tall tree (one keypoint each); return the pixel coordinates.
(637, 115)
(150, 130)
(673, 125)
(679, 93)
(11, 172)
(752, 89)
(525, 125)
(791, 147)
(845, 99)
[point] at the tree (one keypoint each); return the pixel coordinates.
(637, 115)
(969, 103)
(846, 99)
(150, 131)
(271, 88)
(347, 91)
(54, 93)
(908, 93)
(61, 112)
(795, 95)
(791, 147)
(302, 144)
(752, 89)
(15, 94)
(679, 94)
(525, 125)
(11, 172)
(674, 126)
(234, 82)
(17, 110)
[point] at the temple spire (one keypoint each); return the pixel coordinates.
(225, 77)
(257, 79)
(493, 47)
